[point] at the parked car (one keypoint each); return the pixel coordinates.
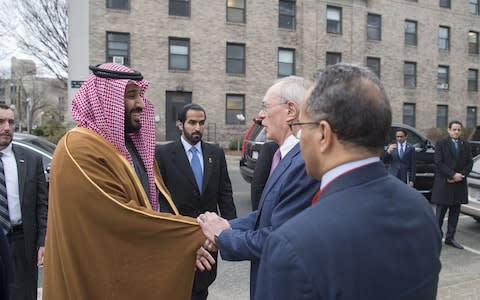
(256, 137)
(473, 181)
(38, 145)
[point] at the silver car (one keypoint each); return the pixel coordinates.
(473, 207)
(38, 145)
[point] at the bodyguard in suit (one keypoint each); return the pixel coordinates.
(23, 209)
(401, 157)
(453, 160)
(368, 235)
(287, 192)
(196, 175)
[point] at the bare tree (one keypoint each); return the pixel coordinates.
(40, 29)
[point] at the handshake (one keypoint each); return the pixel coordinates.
(212, 225)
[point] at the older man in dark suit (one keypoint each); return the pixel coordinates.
(368, 236)
(196, 175)
(23, 209)
(453, 159)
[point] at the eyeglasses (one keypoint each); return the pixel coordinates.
(265, 107)
(291, 124)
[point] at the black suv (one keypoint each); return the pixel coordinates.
(256, 137)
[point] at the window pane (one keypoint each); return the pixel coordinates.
(445, 3)
(235, 66)
(235, 105)
(178, 62)
(333, 14)
(235, 15)
(236, 3)
(285, 56)
(442, 116)
(373, 63)
(473, 42)
(235, 51)
(286, 14)
(333, 58)
(409, 114)
(471, 117)
(117, 4)
(179, 8)
(118, 45)
(472, 80)
(179, 50)
(373, 27)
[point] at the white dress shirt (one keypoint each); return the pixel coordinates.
(11, 181)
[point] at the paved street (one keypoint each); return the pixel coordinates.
(459, 278)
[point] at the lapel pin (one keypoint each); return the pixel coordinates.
(210, 160)
(21, 160)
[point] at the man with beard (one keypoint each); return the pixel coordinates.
(108, 236)
(23, 209)
(196, 174)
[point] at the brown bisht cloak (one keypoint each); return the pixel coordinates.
(103, 239)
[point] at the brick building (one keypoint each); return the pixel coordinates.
(225, 54)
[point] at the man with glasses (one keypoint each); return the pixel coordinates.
(368, 236)
(287, 192)
(401, 157)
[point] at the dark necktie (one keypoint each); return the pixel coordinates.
(196, 168)
(4, 215)
(402, 150)
(276, 160)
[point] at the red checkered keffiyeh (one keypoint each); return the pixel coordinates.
(99, 105)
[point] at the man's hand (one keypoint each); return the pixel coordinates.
(410, 183)
(204, 260)
(211, 224)
(40, 256)
(391, 147)
(457, 177)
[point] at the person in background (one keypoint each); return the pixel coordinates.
(401, 157)
(108, 237)
(367, 235)
(196, 175)
(453, 161)
(287, 192)
(23, 209)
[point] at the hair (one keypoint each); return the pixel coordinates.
(5, 106)
(455, 122)
(353, 101)
(402, 130)
(182, 115)
(292, 88)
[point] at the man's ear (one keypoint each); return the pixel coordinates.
(325, 136)
(293, 109)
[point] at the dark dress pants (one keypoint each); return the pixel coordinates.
(199, 295)
(25, 276)
(453, 214)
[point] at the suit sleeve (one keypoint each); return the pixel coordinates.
(413, 164)
(468, 159)
(294, 196)
(282, 274)
(42, 201)
(225, 199)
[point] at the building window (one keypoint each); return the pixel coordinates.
(333, 58)
(409, 75)
(443, 38)
(2, 91)
(410, 32)
(286, 62)
(373, 63)
(334, 19)
(409, 114)
(442, 78)
(473, 7)
(118, 4)
(178, 54)
(471, 117)
(236, 11)
(179, 8)
(286, 14)
(235, 58)
(374, 27)
(235, 109)
(442, 116)
(472, 80)
(118, 48)
(13, 90)
(445, 3)
(472, 42)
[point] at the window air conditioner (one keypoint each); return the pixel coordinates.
(443, 86)
(118, 60)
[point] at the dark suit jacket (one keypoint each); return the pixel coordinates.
(5, 268)
(216, 191)
(261, 172)
(447, 164)
(288, 191)
(33, 190)
(369, 236)
(402, 167)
